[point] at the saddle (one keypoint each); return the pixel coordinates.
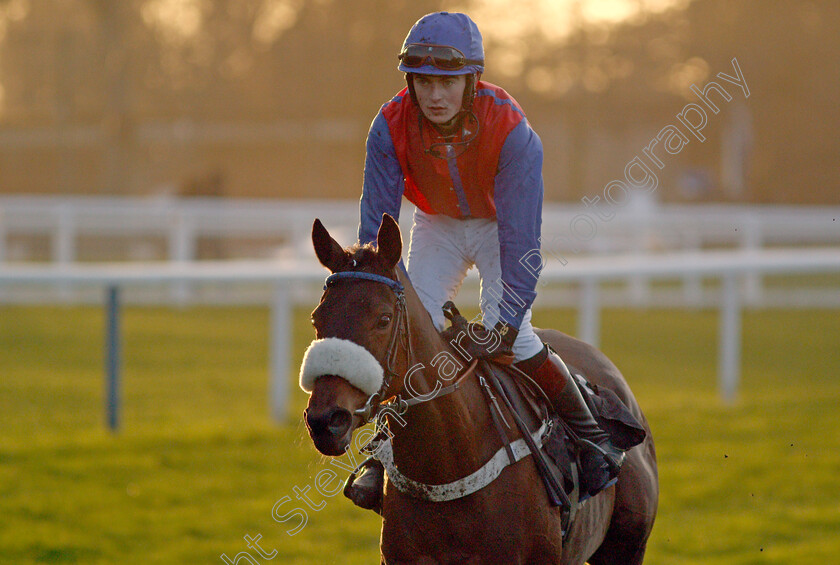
(556, 455)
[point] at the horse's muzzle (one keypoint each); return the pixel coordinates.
(329, 430)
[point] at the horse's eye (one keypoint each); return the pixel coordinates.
(383, 321)
(312, 321)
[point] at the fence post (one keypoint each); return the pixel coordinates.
(279, 348)
(64, 236)
(182, 247)
(752, 240)
(112, 358)
(692, 284)
(64, 243)
(589, 313)
(639, 285)
(729, 356)
(2, 235)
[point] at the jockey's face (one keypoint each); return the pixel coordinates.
(440, 97)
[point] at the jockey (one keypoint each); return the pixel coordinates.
(461, 150)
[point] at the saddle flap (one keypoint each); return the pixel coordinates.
(528, 403)
(533, 409)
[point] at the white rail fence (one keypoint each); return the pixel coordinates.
(64, 230)
(182, 222)
(285, 277)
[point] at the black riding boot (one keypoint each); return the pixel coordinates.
(600, 459)
(366, 490)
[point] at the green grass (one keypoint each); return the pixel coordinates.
(198, 464)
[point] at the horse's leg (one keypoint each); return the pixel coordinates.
(637, 496)
(425, 560)
(544, 558)
(625, 542)
(620, 552)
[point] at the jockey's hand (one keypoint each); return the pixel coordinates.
(474, 340)
(503, 354)
(493, 345)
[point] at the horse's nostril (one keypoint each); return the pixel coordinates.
(335, 422)
(340, 421)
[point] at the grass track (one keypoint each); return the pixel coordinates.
(198, 464)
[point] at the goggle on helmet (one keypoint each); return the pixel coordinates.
(443, 44)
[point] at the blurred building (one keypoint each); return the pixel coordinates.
(272, 98)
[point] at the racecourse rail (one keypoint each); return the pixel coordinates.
(285, 275)
(644, 224)
(68, 229)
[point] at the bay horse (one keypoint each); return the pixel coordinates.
(509, 521)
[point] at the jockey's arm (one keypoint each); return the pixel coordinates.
(383, 181)
(518, 197)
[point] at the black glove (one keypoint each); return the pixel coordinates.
(504, 353)
(476, 341)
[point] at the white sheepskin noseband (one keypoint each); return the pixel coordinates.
(342, 358)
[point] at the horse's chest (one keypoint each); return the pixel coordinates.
(405, 555)
(433, 537)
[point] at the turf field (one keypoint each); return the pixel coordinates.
(198, 465)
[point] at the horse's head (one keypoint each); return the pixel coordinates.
(357, 327)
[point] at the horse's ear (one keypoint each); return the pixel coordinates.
(389, 241)
(329, 252)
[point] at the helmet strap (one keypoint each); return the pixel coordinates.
(469, 91)
(409, 80)
(452, 126)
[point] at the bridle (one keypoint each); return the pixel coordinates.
(399, 333)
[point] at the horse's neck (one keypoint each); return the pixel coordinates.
(441, 439)
(426, 341)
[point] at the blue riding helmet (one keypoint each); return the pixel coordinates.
(446, 29)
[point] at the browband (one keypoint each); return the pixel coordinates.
(396, 286)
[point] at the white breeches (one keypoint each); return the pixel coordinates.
(442, 250)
